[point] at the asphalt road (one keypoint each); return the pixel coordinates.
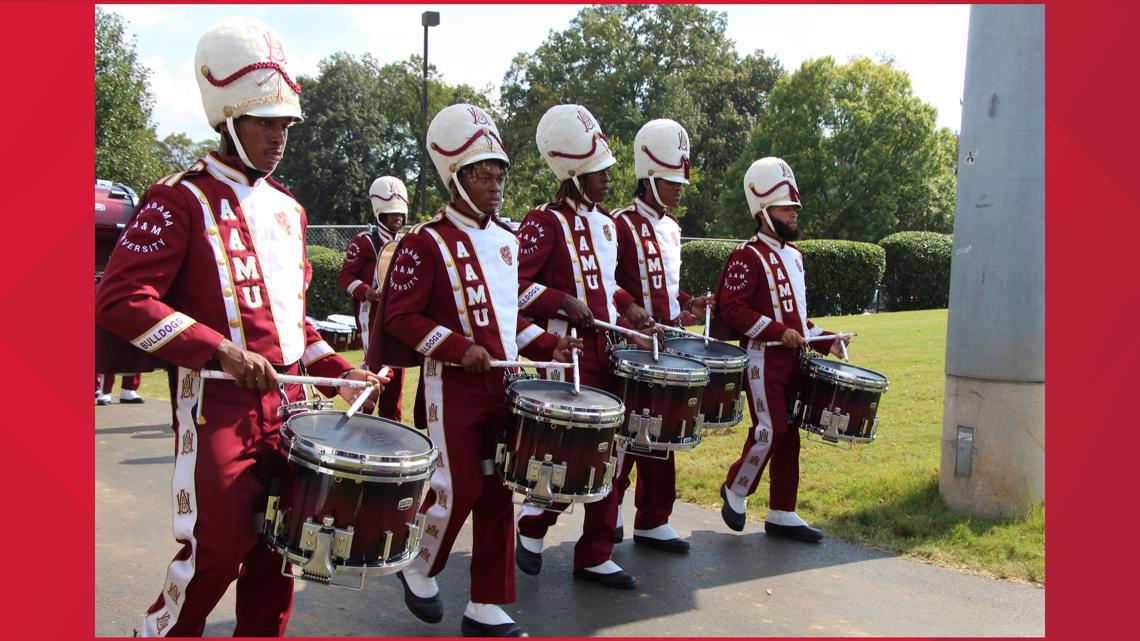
(730, 585)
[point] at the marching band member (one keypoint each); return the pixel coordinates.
(568, 256)
(452, 296)
(649, 268)
(212, 273)
(389, 199)
(762, 296)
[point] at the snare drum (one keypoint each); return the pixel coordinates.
(837, 401)
(662, 399)
(721, 404)
(560, 447)
(349, 506)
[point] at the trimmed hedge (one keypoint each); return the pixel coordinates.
(843, 275)
(918, 270)
(325, 296)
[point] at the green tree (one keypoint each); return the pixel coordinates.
(631, 63)
(125, 140)
(177, 151)
(868, 157)
(362, 120)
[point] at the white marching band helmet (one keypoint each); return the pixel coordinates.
(572, 143)
(461, 135)
(770, 182)
(661, 150)
(388, 195)
(242, 70)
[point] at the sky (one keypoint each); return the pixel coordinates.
(474, 44)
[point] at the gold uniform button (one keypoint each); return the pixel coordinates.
(300, 323)
(455, 288)
(301, 264)
(234, 323)
(212, 231)
(221, 262)
(227, 292)
(301, 295)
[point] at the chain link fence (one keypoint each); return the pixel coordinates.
(334, 236)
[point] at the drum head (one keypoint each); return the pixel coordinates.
(846, 373)
(361, 443)
(697, 348)
(667, 369)
(561, 394)
(557, 400)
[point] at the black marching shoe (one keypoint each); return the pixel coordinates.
(428, 610)
(621, 579)
(804, 533)
(529, 562)
(677, 545)
(472, 628)
(619, 534)
(733, 519)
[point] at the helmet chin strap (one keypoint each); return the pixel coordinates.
(581, 192)
(239, 148)
(764, 213)
(467, 199)
(656, 196)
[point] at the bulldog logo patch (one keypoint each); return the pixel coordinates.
(283, 222)
(505, 252)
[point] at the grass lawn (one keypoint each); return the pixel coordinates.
(884, 494)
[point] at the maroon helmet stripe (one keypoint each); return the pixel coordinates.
(593, 148)
(389, 197)
(250, 68)
(470, 141)
(795, 195)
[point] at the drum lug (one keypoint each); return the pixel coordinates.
(611, 465)
(642, 426)
(796, 407)
(545, 475)
(269, 525)
(698, 426)
(834, 423)
(324, 542)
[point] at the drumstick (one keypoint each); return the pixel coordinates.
(812, 339)
(708, 317)
(683, 332)
(319, 381)
(360, 398)
(498, 363)
(843, 348)
(574, 357)
(655, 355)
(620, 330)
(386, 372)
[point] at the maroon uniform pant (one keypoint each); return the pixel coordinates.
(226, 457)
(772, 375)
(463, 413)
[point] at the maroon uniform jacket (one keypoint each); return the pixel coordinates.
(567, 250)
(454, 283)
(649, 261)
(358, 273)
(761, 293)
(211, 256)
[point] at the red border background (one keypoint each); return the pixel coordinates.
(1092, 49)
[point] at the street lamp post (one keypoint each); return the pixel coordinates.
(427, 19)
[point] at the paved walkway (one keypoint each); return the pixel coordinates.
(730, 585)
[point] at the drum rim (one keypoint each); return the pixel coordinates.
(599, 417)
(716, 364)
(321, 457)
(834, 375)
(654, 373)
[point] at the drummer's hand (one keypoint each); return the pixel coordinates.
(249, 369)
(349, 394)
(836, 350)
(792, 338)
(576, 312)
(698, 305)
(371, 294)
(562, 351)
(638, 317)
(647, 343)
(476, 360)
